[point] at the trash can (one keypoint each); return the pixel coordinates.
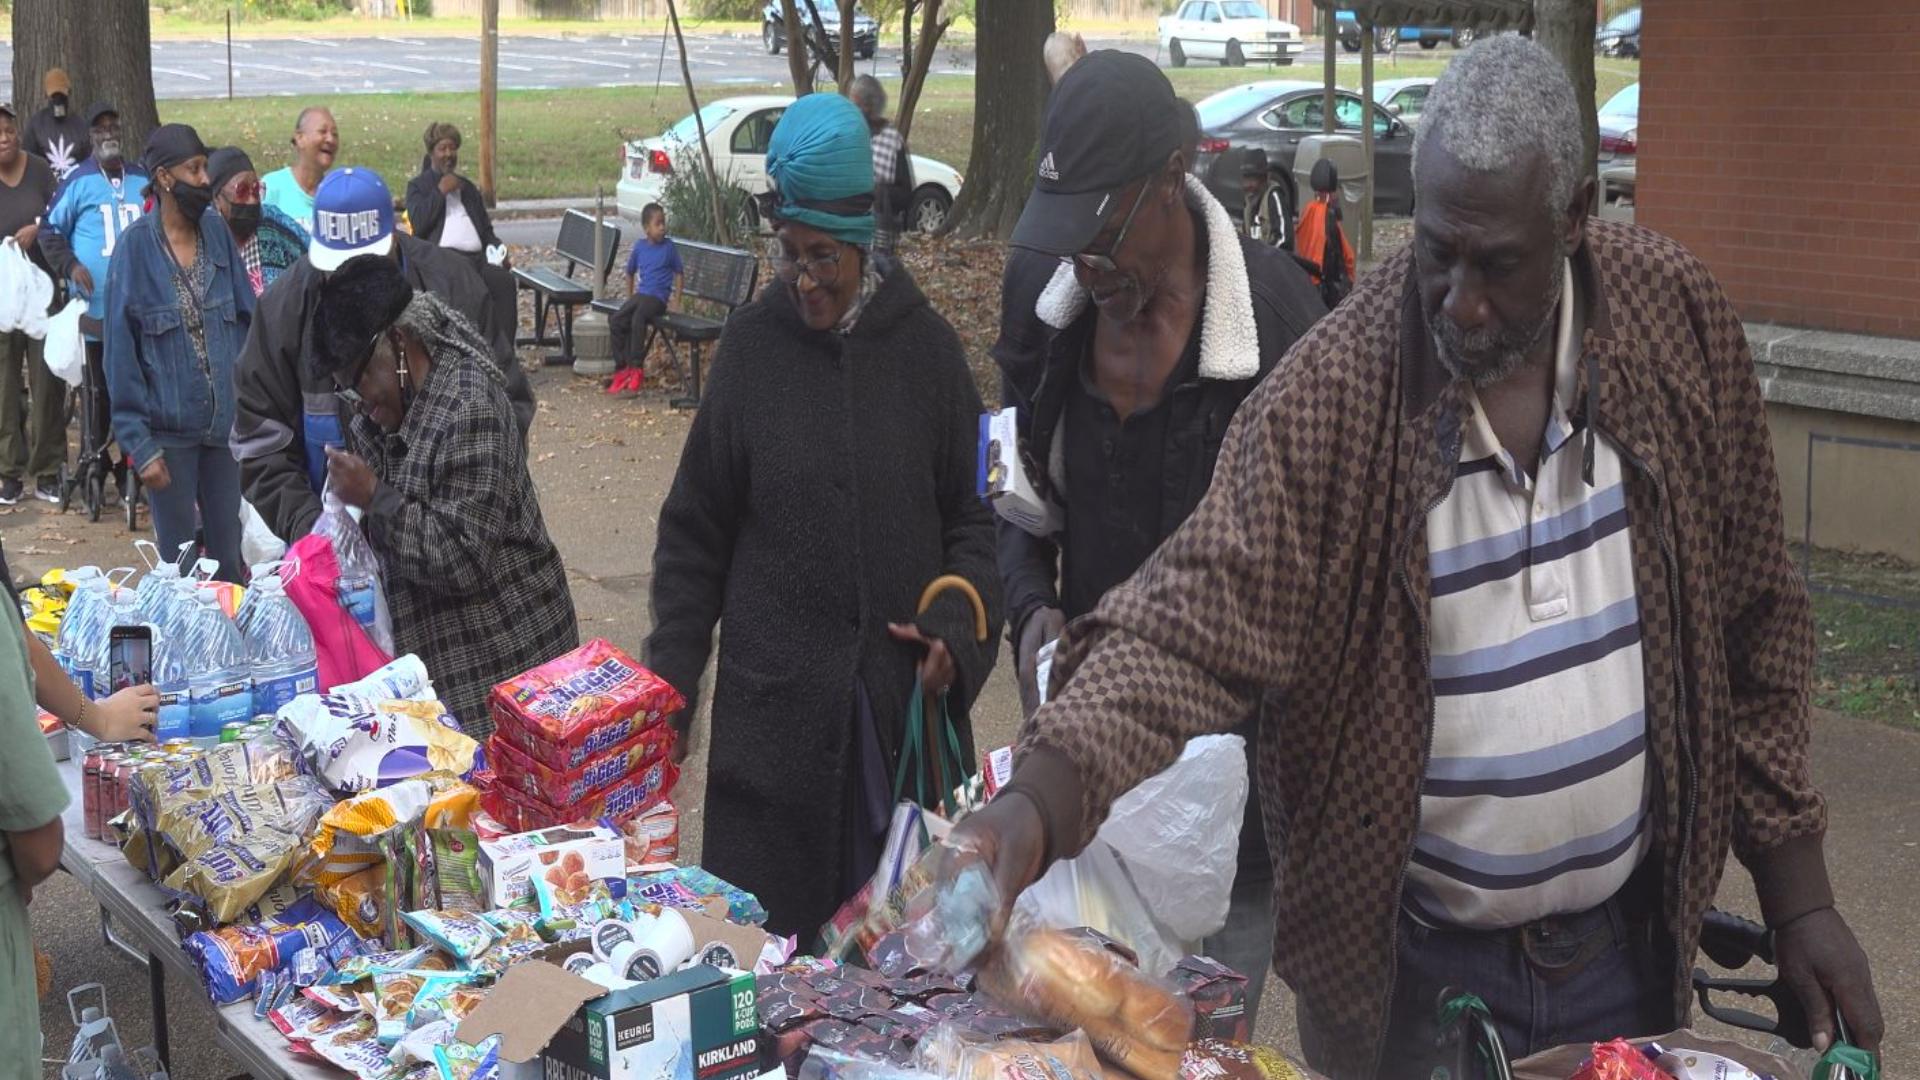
(1349, 158)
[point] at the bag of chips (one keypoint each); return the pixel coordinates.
(581, 705)
(232, 959)
(357, 899)
(343, 843)
(446, 869)
(462, 934)
(358, 743)
(226, 879)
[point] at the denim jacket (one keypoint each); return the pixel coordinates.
(163, 396)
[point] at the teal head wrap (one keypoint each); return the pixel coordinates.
(821, 162)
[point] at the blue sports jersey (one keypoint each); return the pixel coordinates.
(91, 211)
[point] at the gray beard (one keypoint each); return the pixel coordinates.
(1484, 357)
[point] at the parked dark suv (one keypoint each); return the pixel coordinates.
(773, 27)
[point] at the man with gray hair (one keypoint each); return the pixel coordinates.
(892, 165)
(1503, 532)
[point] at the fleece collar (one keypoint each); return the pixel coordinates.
(1229, 337)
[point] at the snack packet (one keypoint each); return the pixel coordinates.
(366, 966)
(580, 705)
(358, 743)
(393, 994)
(356, 1048)
(304, 1019)
(948, 1051)
(415, 1048)
(514, 924)
(343, 841)
(1219, 1059)
(446, 997)
(356, 898)
(446, 869)
(653, 836)
(231, 959)
(1619, 1060)
(634, 795)
(514, 766)
(464, 1061)
(565, 889)
(332, 998)
(684, 881)
(228, 878)
(463, 934)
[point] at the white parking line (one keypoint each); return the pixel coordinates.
(396, 67)
(563, 59)
(400, 41)
(317, 41)
(182, 74)
(280, 70)
(463, 60)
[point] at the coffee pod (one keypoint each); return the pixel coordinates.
(578, 963)
(607, 935)
(717, 954)
(667, 935)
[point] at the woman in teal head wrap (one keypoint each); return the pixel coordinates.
(828, 479)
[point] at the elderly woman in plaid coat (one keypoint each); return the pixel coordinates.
(474, 581)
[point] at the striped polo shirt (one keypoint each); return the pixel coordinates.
(1535, 798)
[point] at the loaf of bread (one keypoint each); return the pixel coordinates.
(1135, 1022)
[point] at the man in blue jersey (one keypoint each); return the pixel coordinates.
(93, 207)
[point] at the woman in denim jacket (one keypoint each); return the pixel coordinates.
(178, 308)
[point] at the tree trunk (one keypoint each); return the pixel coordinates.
(906, 39)
(845, 72)
(1565, 28)
(1009, 101)
(919, 62)
(721, 234)
(797, 65)
(104, 45)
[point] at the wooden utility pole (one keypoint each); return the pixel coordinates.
(722, 234)
(489, 95)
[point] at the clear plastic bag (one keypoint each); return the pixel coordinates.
(955, 1054)
(1137, 1022)
(361, 593)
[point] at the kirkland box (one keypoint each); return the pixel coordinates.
(699, 1024)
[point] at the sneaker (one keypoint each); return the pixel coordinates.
(47, 489)
(10, 491)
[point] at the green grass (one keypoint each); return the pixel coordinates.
(560, 143)
(1869, 654)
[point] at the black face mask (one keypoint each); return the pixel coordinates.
(59, 103)
(193, 199)
(243, 219)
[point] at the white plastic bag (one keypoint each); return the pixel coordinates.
(258, 544)
(1158, 877)
(66, 348)
(13, 285)
(39, 297)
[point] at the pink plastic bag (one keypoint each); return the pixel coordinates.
(344, 650)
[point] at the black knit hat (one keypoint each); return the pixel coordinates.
(226, 163)
(358, 302)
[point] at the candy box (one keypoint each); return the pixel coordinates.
(563, 788)
(589, 853)
(580, 705)
(1219, 996)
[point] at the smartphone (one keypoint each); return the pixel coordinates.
(129, 657)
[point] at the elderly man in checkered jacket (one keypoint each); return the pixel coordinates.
(1503, 532)
(892, 164)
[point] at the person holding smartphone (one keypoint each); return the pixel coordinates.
(127, 716)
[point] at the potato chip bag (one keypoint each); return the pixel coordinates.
(356, 898)
(228, 878)
(580, 705)
(343, 841)
(358, 743)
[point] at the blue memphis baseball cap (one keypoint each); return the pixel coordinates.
(352, 216)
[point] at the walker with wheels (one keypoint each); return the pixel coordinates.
(96, 465)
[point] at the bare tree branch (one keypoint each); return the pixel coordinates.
(722, 234)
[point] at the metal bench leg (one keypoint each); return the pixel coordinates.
(693, 381)
(565, 355)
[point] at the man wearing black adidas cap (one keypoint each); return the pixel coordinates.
(1164, 320)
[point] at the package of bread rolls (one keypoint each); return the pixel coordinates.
(953, 1053)
(1137, 1022)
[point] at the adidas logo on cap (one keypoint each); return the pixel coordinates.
(1047, 170)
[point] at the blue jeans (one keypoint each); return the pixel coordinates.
(1245, 943)
(204, 494)
(1581, 978)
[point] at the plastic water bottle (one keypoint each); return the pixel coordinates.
(75, 644)
(217, 671)
(122, 609)
(279, 646)
(359, 583)
(174, 719)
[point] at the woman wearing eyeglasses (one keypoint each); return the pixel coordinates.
(269, 240)
(177, 311)
(827, 480)
(436, 463)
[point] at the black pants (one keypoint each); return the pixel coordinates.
(1581, 978)
(637, 313)
(502, 294)
(102, 406)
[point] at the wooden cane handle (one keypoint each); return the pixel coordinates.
(955, 581)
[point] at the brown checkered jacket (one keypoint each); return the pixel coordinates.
(1304, 572)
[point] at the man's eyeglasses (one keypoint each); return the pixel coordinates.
(824, 271)
(1103, 262)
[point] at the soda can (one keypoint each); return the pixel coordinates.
(122, 793)
(233, 731)
(90, 791)
(106, 798)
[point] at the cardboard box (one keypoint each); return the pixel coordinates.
(1003, 480)
(508, 864)
(700, 1024)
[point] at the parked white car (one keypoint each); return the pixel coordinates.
(738, 130)
(1230, 31)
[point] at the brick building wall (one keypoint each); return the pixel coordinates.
(1780, 141)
